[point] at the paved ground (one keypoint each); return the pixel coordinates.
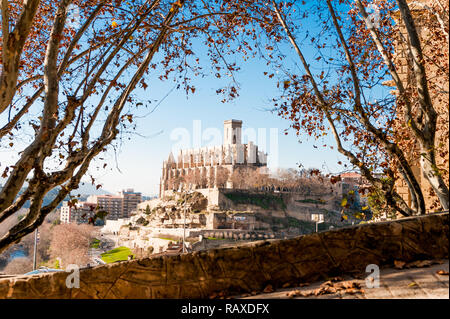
(421, 283)
(106, 243)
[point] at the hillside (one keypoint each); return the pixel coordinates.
(84, 190)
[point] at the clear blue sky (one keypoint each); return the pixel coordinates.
(140, 159)
(137, 163)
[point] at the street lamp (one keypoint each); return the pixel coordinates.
(318, 218)
(36, 240)
(184, 223)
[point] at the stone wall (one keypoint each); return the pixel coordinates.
(249, 267)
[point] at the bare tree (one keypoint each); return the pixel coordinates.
(71, 242)
(345, 107)
(189, 179)
(18, 266)
(256, 179)
(239, 178)
(204, 179)
(77, 150)
(222, 176)
(197, 178)
(79, 79)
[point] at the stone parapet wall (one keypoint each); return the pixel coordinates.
(249, 267)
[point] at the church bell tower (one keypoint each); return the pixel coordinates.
(232, 132)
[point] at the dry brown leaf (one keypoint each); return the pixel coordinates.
(317, 292)
(328, 287)
(303, 284)
(296, 293)
(348, 284)
(399, 264)
(351, 291)
(330, 290)
(268, 289)
(442, 272)
(327, 283)
(325, 289)
(286, 285)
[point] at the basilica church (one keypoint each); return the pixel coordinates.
(211, 167)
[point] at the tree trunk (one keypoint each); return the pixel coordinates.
(427, 138)
(432, 174)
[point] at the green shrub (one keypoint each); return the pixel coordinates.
(95, 243)
(116, 254)
(265, 201)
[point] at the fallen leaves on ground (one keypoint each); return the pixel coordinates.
(297, 293)
(329, 287)
(398, 264)
(442, 272)
(412, 284)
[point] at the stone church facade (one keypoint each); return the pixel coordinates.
(211, 167)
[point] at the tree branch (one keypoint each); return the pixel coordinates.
(13, 44)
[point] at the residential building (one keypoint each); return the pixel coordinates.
(78, 213)
(130, 201)
(118, 206)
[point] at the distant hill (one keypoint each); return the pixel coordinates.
(85, 189)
